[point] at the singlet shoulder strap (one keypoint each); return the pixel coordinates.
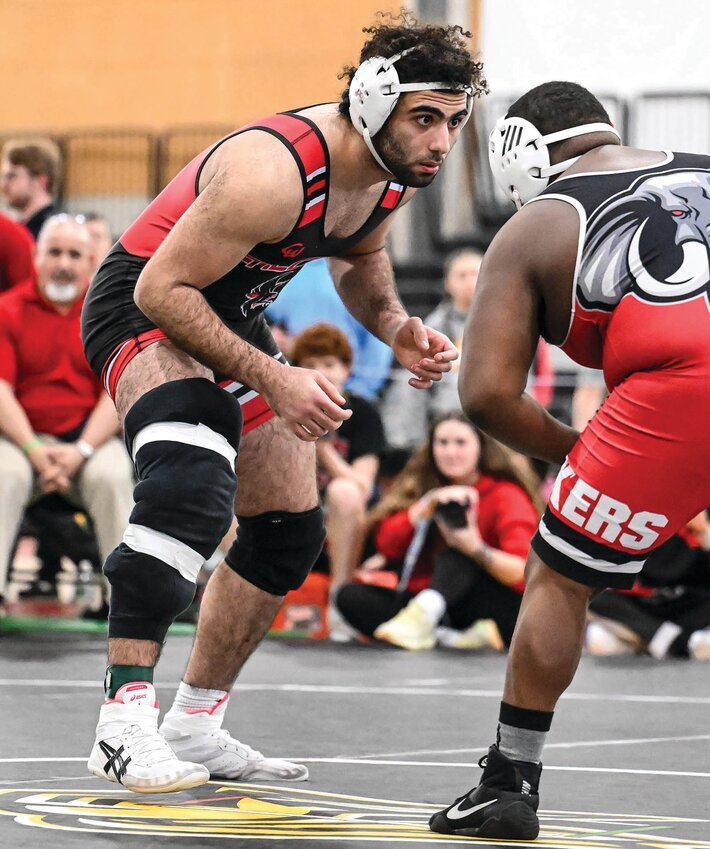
(392, 196)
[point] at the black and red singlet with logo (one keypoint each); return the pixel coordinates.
(110, 316)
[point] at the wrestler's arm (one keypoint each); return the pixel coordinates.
(254, 195)
(365, 281)
(499, 345)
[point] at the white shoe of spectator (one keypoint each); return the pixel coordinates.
(603, 642)
(130, 751)
(339, 631)
(699, 644)
(483, 634)
(199, 736)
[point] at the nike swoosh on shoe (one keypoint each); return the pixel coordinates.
(458, 814)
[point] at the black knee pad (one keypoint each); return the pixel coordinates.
(276, 551)
(183, 436)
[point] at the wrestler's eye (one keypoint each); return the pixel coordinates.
(679, 213)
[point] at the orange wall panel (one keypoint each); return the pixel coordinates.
(105, 63)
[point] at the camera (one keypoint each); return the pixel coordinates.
(452, 513)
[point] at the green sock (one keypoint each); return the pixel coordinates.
(117, 676)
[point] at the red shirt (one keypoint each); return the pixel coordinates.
(507, 520)
(16, 251)
(42, 357)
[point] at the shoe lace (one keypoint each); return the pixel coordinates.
(226, 739)
(148, 742)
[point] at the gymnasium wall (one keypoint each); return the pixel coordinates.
(156, 63)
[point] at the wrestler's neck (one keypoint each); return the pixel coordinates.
(603, 154)
(352, 166)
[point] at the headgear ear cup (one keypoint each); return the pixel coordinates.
(375, 90)
(520, 159)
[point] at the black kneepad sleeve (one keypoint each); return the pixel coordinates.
(184, 489)
(276, 551)
(146, 595)
(183, 437)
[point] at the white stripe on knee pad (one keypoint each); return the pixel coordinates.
(181, 557)
(198, 435)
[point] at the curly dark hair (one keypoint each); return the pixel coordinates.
(558, 105)
(442, 54)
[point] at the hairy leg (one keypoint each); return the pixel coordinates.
(548, 639)
(345, 526)
(276, 472)
(154, 366)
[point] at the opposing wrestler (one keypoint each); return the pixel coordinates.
(173, 325)
(610, 262)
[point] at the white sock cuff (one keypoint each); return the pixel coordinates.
(433, 604)
(196, 698)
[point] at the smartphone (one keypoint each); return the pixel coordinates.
(452, 513)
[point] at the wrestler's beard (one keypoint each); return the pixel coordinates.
(399, 164)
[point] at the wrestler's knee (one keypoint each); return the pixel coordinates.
(275, 551)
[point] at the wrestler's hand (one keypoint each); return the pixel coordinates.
(307, 401)
(423, 351)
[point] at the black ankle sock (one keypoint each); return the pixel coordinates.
(118, 675)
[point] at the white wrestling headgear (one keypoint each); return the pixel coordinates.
(375, 90)
(520, 159)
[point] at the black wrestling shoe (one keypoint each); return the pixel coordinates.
(503, 806)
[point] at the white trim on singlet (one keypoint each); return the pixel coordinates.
(112, 363)
(316, 199)
(631, 567)
(315, 173)
(198, 435)
(581, 212)
(169, 550)
(669, 157)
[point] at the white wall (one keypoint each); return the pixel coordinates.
(609, 46)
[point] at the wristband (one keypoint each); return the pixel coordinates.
(31, 444)
(85, 448)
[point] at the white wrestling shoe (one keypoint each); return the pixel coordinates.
(129, 749)
(199, 736)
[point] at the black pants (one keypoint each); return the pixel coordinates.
(469, 591)
(688, 607)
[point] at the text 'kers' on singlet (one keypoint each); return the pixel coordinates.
(643, 271)
(256, 280)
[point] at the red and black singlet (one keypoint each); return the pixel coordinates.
(256, 280)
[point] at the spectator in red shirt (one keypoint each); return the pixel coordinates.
(466, 574)
(58, 428)
(16, 249)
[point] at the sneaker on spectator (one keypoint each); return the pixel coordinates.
(603, 642)
(339, 631)
(130, 751)
(483, 634)
(410, 629)
(699, 644)
(198, 736)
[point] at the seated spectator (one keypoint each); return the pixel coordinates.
(311, 297)
(466, 570)
(667, 613)
(16, 249)
(407, 414)
(101, 239)
(29, 178)
(347, 458)
(58, 427)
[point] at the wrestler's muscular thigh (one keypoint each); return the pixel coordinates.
(157, 364)
(276, 470)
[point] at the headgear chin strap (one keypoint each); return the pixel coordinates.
(375, 90)
(520, 158)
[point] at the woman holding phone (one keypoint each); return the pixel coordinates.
(472, 507)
